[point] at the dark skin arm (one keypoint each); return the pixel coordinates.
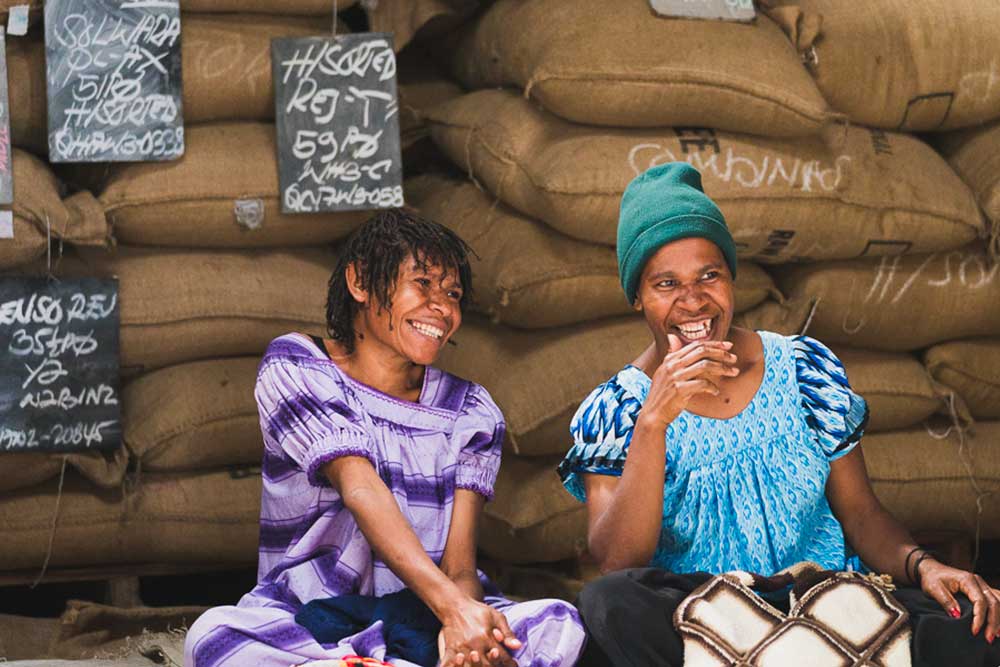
(883, 543)
(468, 624)
(625, 514)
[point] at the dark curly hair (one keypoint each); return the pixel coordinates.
(377, 250)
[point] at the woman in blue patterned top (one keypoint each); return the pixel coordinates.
(723, 449)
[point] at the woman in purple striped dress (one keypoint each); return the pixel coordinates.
(376, 469)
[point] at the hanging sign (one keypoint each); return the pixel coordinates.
(726, 10)
(114, 80)
(59, 365)
(337, 123)
(6, 164)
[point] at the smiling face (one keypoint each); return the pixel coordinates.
(423, 314)
(686, 289)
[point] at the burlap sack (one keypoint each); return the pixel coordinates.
(295, 7)
(40, 212)
(194, 416)
(898, 390)
(889, 63)
(919, 476)
(975, 156)
(532, 518)
(27, 93)
(166, 520)
(857, 192)
(184, 305)
(406, 19)
(422, 85)
(202, 199)
(89, 630)
(25, 637)
(539, 378)
(560, 580)
(226, 62)
(899, 303)
(972, 369)
(617, 64)
(20, 470)
(529, 276)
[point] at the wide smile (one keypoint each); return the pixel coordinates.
(428, 330)
(695, 330)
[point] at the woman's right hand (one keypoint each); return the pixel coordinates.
(475, 634)
(685, 372)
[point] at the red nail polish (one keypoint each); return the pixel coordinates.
(954, 612)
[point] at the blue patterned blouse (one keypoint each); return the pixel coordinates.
(745, 493)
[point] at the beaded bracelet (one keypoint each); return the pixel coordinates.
(906, 564)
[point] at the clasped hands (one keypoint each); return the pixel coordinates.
(476, 635)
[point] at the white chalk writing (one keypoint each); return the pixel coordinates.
(64, 394)
(112, 78)
(751, 172)
(337, 99)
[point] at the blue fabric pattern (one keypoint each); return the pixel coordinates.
(745, 493)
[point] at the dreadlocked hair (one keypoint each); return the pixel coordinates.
(377, 250)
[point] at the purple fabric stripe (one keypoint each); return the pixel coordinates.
(218, 644)
(290, 563)
(286, 346)
(337, 576)
(285, 634)
(278, 534)
(279, 593)
(451, 392)
(296, 412)
(277, 467)
(420, 489)
(554, 611)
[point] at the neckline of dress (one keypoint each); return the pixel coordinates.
(766, 347)
(420, 403)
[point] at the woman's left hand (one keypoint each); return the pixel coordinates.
(941, 583)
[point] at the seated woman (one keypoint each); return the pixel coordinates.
(376, 469)
(722, 449)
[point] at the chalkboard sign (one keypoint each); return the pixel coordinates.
(726, 10)
(337, 123)
(59, 365)
(6, 165)
(114, 80)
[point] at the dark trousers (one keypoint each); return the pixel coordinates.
(629, 619)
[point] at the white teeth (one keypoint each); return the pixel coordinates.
(695, 331)
(428, 330)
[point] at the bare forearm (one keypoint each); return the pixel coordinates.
(468, 582)
(395, 543)
(882, 542)
(626, 533)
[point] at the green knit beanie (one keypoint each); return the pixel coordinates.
(663, 204)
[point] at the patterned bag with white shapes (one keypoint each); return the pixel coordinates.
(836, 619)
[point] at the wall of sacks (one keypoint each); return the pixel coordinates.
(849, 225)
(522, 125)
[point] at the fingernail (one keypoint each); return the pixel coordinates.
(954, 612)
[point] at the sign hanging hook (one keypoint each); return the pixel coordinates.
(334, 18)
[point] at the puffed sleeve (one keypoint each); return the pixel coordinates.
(305, 412)
(479, 431)
(602, 430)
(832, 409)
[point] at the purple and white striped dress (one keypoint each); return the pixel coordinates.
(310, 545)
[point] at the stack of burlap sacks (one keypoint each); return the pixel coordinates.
(876, 246)
(202, 292)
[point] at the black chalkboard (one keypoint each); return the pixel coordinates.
(337, 123)
(114, 80)
(59, 365)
